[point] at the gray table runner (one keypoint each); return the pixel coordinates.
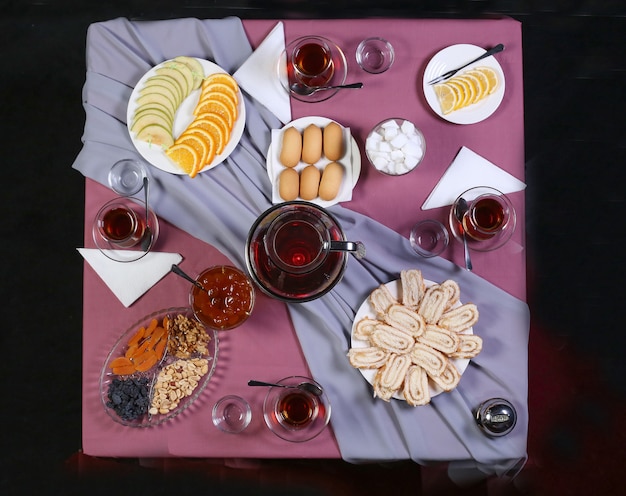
(220, 206)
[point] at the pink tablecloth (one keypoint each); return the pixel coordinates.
(266, 347)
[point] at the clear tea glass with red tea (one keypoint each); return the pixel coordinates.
(296, 409)
(487, 215)
(120, 225)
(310, 62)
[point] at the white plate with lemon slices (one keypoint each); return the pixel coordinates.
(473, 94)
(183, 115)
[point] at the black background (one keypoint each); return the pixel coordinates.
(574, 78)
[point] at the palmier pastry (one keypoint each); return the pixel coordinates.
(367, 358)
(391, 339)
(439, 338)
(381, 299)
(405, 319)
(470, 345)
(460, 318)
(364, 328)
(432, 361)
(433, 304)
(413, 287)
(415, 388)
(390, 376)
(448, 379)
(454, 292)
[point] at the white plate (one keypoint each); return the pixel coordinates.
(450, 58)
(184, 116)
(351, 161)
(366, 310)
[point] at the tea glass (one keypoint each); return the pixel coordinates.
(375, 55)
(231, 414)
(294, 414)
(126, 177)
(489, 221)
(119, 225)
(311, 61)
(429, 238)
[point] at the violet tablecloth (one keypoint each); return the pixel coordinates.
(219, 206)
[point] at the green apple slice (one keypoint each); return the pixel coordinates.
(156, 134)
(147, 118)
(153, 109)
(160, 99)
(196, 69)
(162, 85)
(178, 75)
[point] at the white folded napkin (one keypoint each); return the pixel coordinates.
(128, 281)
(258, 75)
(468, 170)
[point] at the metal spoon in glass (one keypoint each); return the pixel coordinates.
(304, 386)
(304, 90)
(459, 211)
(146, 241)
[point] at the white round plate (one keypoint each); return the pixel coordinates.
(351, 159)
(366, 310)
(184, 115)
(450, 58)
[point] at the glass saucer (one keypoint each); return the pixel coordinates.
(339, 75)
(132, 253)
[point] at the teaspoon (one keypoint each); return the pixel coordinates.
(179, 272)
(147, 237)
(304, 90)
(304, 386)
(459, 211)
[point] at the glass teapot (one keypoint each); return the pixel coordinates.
(292, 254)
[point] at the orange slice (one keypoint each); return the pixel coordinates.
(220, 77)
(217, 107)
(219, 97)
(198, 143)
(208, 140)
(215, 130)
(186, 157)
(222, 88)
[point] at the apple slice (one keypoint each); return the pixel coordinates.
(156, 134)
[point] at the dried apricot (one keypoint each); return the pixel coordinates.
(120, 362)
(124, 370)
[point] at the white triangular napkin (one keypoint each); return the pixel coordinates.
(468, 170)
(259, 77)
(128, 281)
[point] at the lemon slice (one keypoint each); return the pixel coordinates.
(474, 84)
(447, 97)
(492, 77)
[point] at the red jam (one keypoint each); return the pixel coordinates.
(228, 299)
